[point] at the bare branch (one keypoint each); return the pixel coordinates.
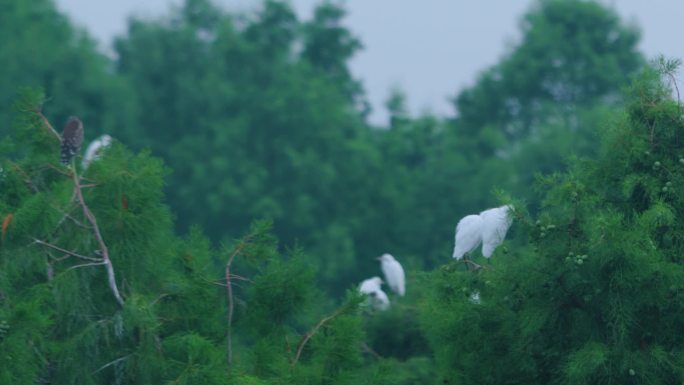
(159, 298)
(96, 229)
(229, 293)
(67, 215)
(86, 265)
(111, 363)
(370, 350)
(65, 251)
(476, 266)
(315, 329)
(47, 124)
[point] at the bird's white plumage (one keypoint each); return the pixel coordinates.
(369, 285)
(495, 224)
(95, 149)
(379, 300)
(475, 297)
(394, 273)
(468, 235)
(376, 297)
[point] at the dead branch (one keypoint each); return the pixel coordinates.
(111, 363)
(47, 124)
(370, 350)
(65, 251)
(229, 292)
(67, 215)
(315, 329)
(98, 235)
(476, 266)
(86, 265)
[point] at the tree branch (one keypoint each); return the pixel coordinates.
(96, 230)
(370, 350)
(315, 329)
(476, 266)
(65, 251)
(46, 123)
(86, 265)
(229, 293)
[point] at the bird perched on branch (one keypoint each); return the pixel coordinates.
(394, 273)
(95, 149)
(377, 298)
(468, 235)
(495, 224)
(72, 138)
(489, 228)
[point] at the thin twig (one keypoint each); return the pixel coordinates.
(238, 277)
(229, 292)
(55, 169)
(111, 363)
(86, 265)
(288, 349)
(66, 215)
(159, 298)
(313, 331)
(38, 241)
(476, 265)
(27, 178)
(47, 124)
(368, 349)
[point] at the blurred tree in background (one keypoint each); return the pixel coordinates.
(527, 114)
(40, 48)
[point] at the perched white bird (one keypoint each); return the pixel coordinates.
(95, 149)
(489, 228)
(468, 235)
(377, 298)
(370, 284)
(475, 297)
(495, 224)
(394, 273)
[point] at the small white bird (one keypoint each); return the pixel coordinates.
(377, 298)
(394, 273)
(95, 148)
(468, 235)
(495, 224)
(475, 297)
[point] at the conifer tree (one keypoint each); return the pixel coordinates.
(95, 287)
(596, 296)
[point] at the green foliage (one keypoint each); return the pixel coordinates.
(596, 300)
(42, 49)
(60, 321)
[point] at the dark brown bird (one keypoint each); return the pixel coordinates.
(72, 138)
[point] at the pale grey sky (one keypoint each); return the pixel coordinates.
(430, 48)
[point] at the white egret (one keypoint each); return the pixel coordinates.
(376, 297)
(468, 235)
(495, 224)
(394, 273)
(489, 228)
(475, 297)
(95, 148)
